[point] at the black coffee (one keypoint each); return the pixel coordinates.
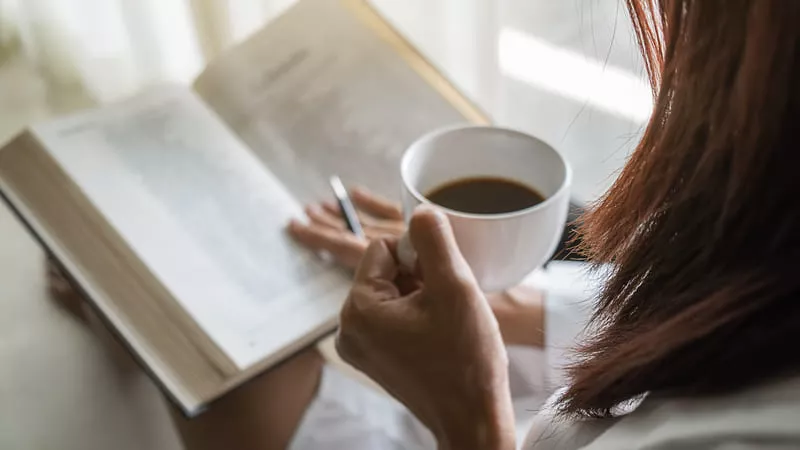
(485, 195)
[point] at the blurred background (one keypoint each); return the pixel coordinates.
(566, 71)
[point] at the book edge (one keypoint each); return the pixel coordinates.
(189, 403)
(422, 65)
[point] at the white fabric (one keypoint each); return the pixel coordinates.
(570, 291)
(763, 417)
(347, 415)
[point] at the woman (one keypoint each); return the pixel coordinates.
(701, 231)
(691, 343)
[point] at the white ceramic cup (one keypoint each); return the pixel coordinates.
(501, 249)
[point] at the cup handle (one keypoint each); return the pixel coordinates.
(406, 254)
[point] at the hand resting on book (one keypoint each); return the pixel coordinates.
(327, 231)
(518, 310)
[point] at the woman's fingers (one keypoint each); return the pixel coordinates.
(378, 264)
(373, 227)
(375, 204)
(327, 230)
(333, 208)
(344, 247)
(324, 217)
(441, 263)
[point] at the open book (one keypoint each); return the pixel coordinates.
(168, 210)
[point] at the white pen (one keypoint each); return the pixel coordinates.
(346, 206)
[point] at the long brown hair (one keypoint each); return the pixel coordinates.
(702, 227)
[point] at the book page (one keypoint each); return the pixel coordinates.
(319, 92)
(204, 215)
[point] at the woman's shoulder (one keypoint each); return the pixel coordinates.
(761, 417)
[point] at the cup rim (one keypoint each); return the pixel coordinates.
(406, 160)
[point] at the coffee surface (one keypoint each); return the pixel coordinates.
(485, 195)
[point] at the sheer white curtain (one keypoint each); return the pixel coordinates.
(111, 48)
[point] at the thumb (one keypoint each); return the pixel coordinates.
(438, 255)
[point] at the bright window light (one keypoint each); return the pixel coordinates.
(539, 63)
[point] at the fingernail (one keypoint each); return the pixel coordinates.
(312, 208)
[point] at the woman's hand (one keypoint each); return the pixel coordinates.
(519, 310)
(326, 230)
(431, 339)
